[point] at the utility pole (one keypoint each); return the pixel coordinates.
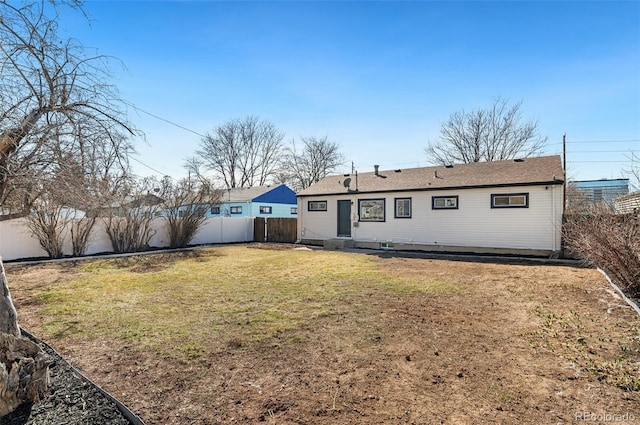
(564, 167)
(564, 153)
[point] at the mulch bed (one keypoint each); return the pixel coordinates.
(72, 400)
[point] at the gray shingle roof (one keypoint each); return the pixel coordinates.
(520, 172)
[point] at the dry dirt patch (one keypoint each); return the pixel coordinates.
(484, 343)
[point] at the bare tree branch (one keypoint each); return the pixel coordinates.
(633, 170)
(242, 152)
(318, 158)
(491, 134)
(49, 88)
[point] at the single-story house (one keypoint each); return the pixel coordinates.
(505, 207)
(259, 201)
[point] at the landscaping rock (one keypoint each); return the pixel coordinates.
(24, 374)
(71, 400)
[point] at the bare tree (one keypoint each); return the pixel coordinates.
(50, 87)
(317, 159)
(185, 204)
(243, 152)
(491, 134)
(633, 170)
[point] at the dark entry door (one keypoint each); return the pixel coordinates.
(344, 219)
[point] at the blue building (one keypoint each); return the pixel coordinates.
(260, 201)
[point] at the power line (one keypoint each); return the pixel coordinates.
(164, 119)
(603, 141)
(581, 152)
(594, 141)
(150, 167)
(602, 161)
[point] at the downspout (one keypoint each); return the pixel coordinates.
(299, 221)
(553, 217)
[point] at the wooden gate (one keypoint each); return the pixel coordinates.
(284, 230)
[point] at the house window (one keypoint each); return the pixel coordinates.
(371, 209)
(236, 210)
(265, 210)
(317, 205)
(511, 200)
(294, 210)
(215, 210)
(444, 202)
(403, 208)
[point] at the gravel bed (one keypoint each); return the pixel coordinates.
(72, 400)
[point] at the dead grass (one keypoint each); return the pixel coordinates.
(240, 335)
(189, 306)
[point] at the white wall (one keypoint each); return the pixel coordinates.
(473, 224)
(16, 241)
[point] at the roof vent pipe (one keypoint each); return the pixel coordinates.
(375, 167)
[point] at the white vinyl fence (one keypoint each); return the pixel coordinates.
(17, 242)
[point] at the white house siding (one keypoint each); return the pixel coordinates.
(473, 225)
(628, 204)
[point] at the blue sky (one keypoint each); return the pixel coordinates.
(378, 78)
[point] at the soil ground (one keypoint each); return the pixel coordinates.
(522, 344)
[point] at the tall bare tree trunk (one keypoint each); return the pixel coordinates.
(24, 368)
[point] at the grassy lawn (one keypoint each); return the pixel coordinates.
(267, 333)
(197, 304)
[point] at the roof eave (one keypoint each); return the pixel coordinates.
(427, 189)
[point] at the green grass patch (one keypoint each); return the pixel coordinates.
(188, 306)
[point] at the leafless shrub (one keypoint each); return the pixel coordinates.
(47, 222)
(80, 231)
(128, 216)
(186, 203)
(609, 241)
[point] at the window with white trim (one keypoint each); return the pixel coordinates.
(265, 209)
(235, 210)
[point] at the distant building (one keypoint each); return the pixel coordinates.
(594, 192)
(259, 201)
